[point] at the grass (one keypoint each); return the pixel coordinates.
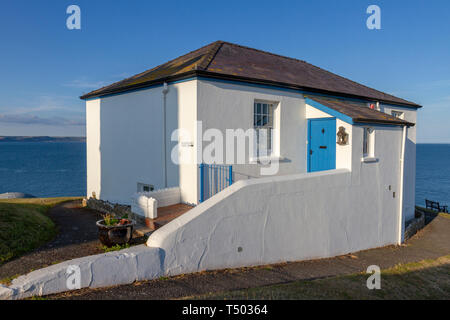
(7, 281)
(428, 279)
(25, 226)
(117, 247)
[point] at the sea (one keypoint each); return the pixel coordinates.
(43, 169)
(57, 169)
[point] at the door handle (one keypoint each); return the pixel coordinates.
(323, 147)
(310, 151)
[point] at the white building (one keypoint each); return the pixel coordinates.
(362, 142)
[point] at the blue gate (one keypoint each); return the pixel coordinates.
(213, 179)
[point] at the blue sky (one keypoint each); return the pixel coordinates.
(45, 67)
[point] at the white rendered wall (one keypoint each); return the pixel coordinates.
(187, 123)
(344, 152)
(93, 147)
(292, 217)
(130, 135)
(410, 115)
(230, 106)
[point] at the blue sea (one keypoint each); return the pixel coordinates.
(433, 173)
(43, 169)
(55, 169)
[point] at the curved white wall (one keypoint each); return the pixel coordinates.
(284, 218)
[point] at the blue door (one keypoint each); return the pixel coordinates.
(321, 144)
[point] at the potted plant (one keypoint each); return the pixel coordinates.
(115, 231)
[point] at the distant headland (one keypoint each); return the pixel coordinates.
(41, 139)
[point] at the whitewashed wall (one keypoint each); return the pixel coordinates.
(230, 106)
(128, 131)
(187, 122)
(291, 217)
(410, 115)
(343, 152)
(93, 155)
(125, 136)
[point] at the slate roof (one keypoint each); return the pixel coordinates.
(359, 112)
(230, 61)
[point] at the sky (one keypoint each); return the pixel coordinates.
(45, 67)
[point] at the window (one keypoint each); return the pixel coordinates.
(397, 114)
(142, 187)
(369, 143)
(263, 125)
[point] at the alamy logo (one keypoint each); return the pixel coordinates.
(234, 146)
(374, 20)
(73, 281)
(374, 281)
(73, 22)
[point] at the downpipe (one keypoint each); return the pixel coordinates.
(402, 172)
(164, 92)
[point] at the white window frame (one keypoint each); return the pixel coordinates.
(263, 124)
(141, 187)
(398, 114)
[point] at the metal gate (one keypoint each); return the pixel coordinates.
(213, 179)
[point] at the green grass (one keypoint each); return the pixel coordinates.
(24, 225)
(428, 279)
(117, 247)
(7, 281)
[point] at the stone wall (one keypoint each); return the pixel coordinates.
(118, 210)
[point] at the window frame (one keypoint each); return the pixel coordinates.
(368, 142)
(142, 186)
(398, 114)
(263, 121)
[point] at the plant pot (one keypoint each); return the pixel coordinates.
(115, 235)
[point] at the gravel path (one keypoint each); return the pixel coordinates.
(77, 237)
(430, 243)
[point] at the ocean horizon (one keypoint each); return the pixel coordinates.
(58, 169)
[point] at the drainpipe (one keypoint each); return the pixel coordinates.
(402, 172)
(165, 91)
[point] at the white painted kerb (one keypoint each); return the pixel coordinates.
(109, 269)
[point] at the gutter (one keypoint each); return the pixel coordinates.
(388, 122)
(402, 172)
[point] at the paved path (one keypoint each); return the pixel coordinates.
(430, 243)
